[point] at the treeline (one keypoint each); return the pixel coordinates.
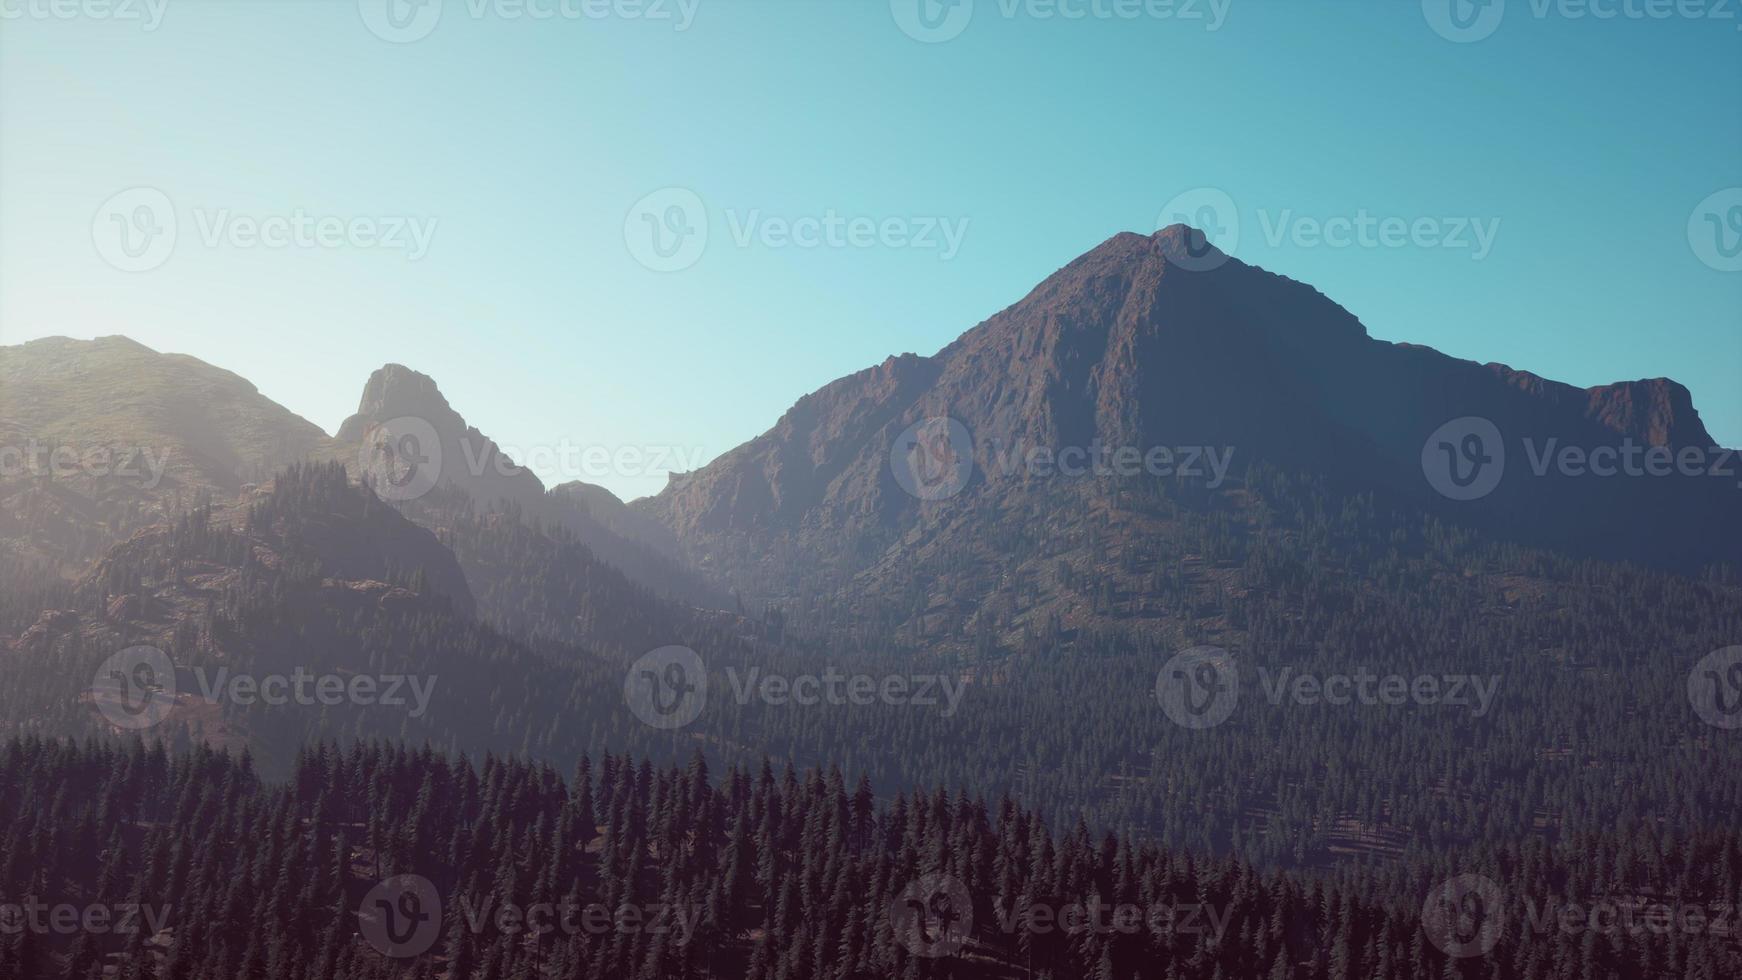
(756, 874)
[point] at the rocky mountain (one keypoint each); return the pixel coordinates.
(416, 450)
(314, 576)
(1179, 369)
(618, 517)
(101, 437)
(1044, 605)
(406, 408)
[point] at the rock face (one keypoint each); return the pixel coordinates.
(470, 461)
(1125, 347)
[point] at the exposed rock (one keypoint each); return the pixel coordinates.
(122, 607)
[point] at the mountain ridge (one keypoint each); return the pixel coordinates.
(1162, 341)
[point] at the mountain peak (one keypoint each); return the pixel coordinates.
(395, 390)
(1180, 244)
(1163, 340)
(466, 458)
(62, 345)
(1658, 411)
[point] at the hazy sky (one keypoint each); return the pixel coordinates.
(474, 191)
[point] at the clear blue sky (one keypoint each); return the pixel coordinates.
(529, 142)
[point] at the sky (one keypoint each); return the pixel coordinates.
(652, 225)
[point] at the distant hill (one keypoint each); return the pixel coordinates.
(137, 433)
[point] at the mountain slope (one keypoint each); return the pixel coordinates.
(136, 431)
(1125, 348)
(459, 469)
